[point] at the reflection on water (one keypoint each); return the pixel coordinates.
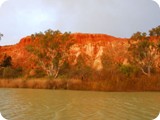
(28, 104)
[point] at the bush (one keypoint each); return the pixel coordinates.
(39, 73)
(7, 61)
(36, 73)
(9, 72)
(128, 70)
(1, 72)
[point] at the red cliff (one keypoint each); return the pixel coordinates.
(93, 45)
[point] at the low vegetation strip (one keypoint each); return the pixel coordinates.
(142, 84)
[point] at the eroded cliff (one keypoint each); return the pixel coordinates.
(91, 46)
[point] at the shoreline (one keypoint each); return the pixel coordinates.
(75, 84)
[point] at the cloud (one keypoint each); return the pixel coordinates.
(121, 18)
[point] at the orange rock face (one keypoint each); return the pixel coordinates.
(92, 45)
(20, 57)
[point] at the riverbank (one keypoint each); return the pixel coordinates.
(76, 84)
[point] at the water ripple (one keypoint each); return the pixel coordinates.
(25, 104)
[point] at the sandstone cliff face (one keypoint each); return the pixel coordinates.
(20, 57)
(92, 46)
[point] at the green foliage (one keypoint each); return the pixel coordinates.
(144, 51)
(80, 70)
(155, 31)
(9, 72)
(139, 36)
(107, 61)
(158, 46)
(83, 73)
(6, 70)
(39, 73)
(51, 49)
(1, 72)
(19, 71)
(29, 48)
(6, 62)
(128, 70)
(143, 55)
(65, 69)
(143, 48)
(140, 50)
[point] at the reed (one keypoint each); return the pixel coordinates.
(116, 83)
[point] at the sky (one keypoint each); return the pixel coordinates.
(119, 18)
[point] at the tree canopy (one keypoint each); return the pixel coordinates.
(144, 51)
(7, 61)
(1, 35)
(155, 31)
(51, 50)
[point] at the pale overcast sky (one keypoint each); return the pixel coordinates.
(120, 18)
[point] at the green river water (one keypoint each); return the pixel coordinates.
(31, 104)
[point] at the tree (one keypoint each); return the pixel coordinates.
(139, 36)
(1, 35)
(155, 31)
(143, 53)
(51, 49)
(6, 62)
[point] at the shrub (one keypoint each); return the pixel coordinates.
(7, 61)
(1, 72)
(128, 70)
(37, 73)
(9, 72)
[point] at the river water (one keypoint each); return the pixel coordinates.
(31, 104)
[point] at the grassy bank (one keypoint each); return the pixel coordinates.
(119, 84)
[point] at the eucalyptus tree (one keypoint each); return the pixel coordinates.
(155, 31)
(143, 52)
(51, 50)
